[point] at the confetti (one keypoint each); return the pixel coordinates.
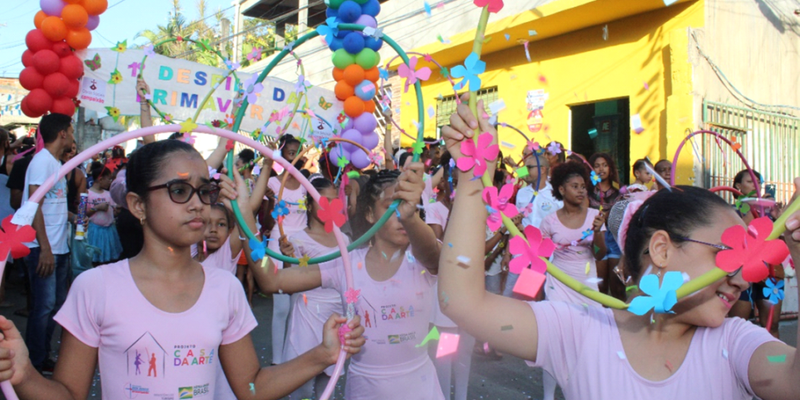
(621, 355)
(448, 344)
(509, 145)
(508, 37)
(532, 32)
(463, 260)
(636, 124)
(522, 172)
(605, 32)
(668, 3)
(777, 359)
(253, 388)
(506, 327)
(725, 353)
(588, 267)
(592, 133)
(432, 335)
(668, 365)
(450, 244)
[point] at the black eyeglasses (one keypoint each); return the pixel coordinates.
(180, 192)
(714, 245)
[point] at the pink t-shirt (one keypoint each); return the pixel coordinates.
(147, 353)
(436, 214)
(395, 314)
(221, 258)
(312, 308)
(101, 218)
(581, 348)
(295, 221)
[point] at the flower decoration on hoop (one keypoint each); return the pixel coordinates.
(329, 30)
(498, 202)
(411, 74)
(554, 148)
(13, 239)
(530, 253)
(331, 213)
(494, 5)
(281, 209)
(478, 156)
(255, 54)
(252, 89)
(661, 299)
(257, 249)
(773, 290)
(595, 178)
(473, 66)
(750, 250)
(351, 295)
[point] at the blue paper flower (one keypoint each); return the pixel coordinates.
(773, 291)
(585, 234)
(280, 210)
(329, 30)
(258, 249)
(473, 66)
(384, 74)
(662, 299)
(595, 178)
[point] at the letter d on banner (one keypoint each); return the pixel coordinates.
(165, 73)
(279, 94)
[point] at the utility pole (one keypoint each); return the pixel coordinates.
(302, 17)
(237, 27)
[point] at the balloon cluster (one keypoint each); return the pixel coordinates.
(52, 71)
(355, 60)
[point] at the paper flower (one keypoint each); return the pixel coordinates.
(300, 86)
(659, 299)
(113, 112)
(121, 46)
(204, 44)
(530, 253)
(257, 249)
(473, 66)
(494, 5)
(351, 295)
(331, 213)
(304, 260)
(418, 147)
(478, 156)
(750, 250)
(411, 74)
(149, 50)
(229, 119)
(383, 73)
(280, 210)
(499, 203)
(190, 139)
(595, 178)
(773, 291)
(188, 126)
(342, 162)
(277, 116)
(329, 30)
(230, 145)
(233, 66)
(116, 77)
(252, 89)
(255, 54)
(13, 237)
(554, 148)
(741, 206)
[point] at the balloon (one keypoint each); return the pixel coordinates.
(353, 75)
(30, 78)
(95, 7)
(64, 106)
(46, 62)
(373, 43)
(79, 39)
(372, 75)
(27, 58)
(366, 20)
(54, 29)
(368, 59)
(348, 124)
(36, 41)
(74, 88)
(338, 74)
(62, 49)
(341, 59)
(365, 123)
(334, 154)
(343, 91)
(56, 85)
(73, 1)
(39, 102)
(354, 42)
(335, 4)
(370, 140)
(361, 2)
(27, 110)
(365, 90)
(349, 11)
(336, 44)
(93, 22)
(38, 18)
(353, 107)
(71, 67)
(52, 7)
(331, 13)
(369, 106)
(359, 159)
(75, 16)
(353, 135)
(371, 8)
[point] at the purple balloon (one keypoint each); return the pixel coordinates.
(348, 125)
(334, 154)
(365, 20)
(365, 123)
(94, 22)
(353, 135)
(52, 7)
(370, 140)
(359, 159)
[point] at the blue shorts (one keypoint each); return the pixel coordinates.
(612, 248)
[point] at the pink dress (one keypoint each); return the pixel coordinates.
(581, 348)
(295, 221)
(101, 218)
(312, 308)
(571, 256)
(147, 353)
(395, 314)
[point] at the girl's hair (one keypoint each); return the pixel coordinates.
(286, 140)
(369, 195)
(678, 212)
(328, 168)
(613, 174)
(740, 177)
(247, 156)
(4, 139)
(563, 172)
(146, 163)
(640, 165)
(98, 170)
(320, 183)
(228, 215)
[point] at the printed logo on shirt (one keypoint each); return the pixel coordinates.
(146, 355)
(392, 312)
(191, 392)
(547, 206)
(405, 337)
(132, 391)
(189, 355)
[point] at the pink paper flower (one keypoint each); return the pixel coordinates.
(13, 239)
(351, 295)
(410, 73)
(530, 253)
(498, 202)
(478, 156)
(494, 5)
(750, 250)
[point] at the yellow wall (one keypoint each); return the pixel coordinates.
(580, 67)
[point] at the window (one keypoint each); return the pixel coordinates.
(446, 106)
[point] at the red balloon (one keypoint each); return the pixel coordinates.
(27, 58)
(56, 85)
(27, 110)
(46, 62)
(64, 106)
(39, 102)
(71, 67)
(74, 88)
(62, 49)
(30, 78)
(36, 41)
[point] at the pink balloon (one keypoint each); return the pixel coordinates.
(359, 159)
(94, 22)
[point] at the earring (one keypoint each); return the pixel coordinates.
(141, 220)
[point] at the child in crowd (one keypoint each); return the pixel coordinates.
(101, 210)
(642, 175)
(436, 213)
(604, 196)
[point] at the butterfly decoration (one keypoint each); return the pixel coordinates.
(329, 30)
(95, 63)
(411, 74)
(324, 104)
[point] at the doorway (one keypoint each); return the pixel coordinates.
(604, 127)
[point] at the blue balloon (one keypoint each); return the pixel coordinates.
(365, 90)
(336, 45)
(354, 42)
(349, 11)
(371, 8)
(342, 34)
(373, 43)
(331, 12)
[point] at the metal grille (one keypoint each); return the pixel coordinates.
(446, 106)
(770, 143)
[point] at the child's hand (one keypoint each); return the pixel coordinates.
(598, 222)
(353, 339)
(142, 89)
(234, 190)
(462, 126)
(286, 248)
(14, 361)
(409, 189)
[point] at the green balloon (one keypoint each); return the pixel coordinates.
(362, 2)
(342, 59)
(335, 4)
(368, 59)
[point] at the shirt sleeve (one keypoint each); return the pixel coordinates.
(38, 172)
(17, 178)
(432, 215)
(546, 227)
(332, 273)
(560, 337)
(82, 312)
(241, 320)
(744, 339)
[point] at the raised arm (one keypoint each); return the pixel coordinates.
(145, 117)
(217, 157)
(508, 325)
(425, 247)
(262, 185)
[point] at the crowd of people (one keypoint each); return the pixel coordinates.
(159, 265)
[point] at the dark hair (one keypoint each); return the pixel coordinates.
(640, 165)
(319, 183)
(52, 124)
(563, 172)
(117, 152)
(613, 174)
(403, 158)
(4, 138)
(327, 168)
(678, 212)
(145, 164)
(287, 140)
(740, 177)
(369, 195)
(655, 167)
(175, 136)
(247, 156)
(98, 170)
(228, 215)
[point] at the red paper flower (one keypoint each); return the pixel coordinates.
(331, 213)
(13, 237)
(750, 250)
(530, 253)
(230, 145)
(478, 156)
(494, 5)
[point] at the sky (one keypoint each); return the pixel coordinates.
(123, 20)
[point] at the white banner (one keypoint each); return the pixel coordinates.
(178, 88)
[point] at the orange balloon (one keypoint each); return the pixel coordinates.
(353, 107)
(369, 106)
(338, 74)
(37, 20)
(73, 1)
(354, 75)
(79, 39)
(75, 16)
(343, 91)
(95, 7)
(372, 75)
(54, 29)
